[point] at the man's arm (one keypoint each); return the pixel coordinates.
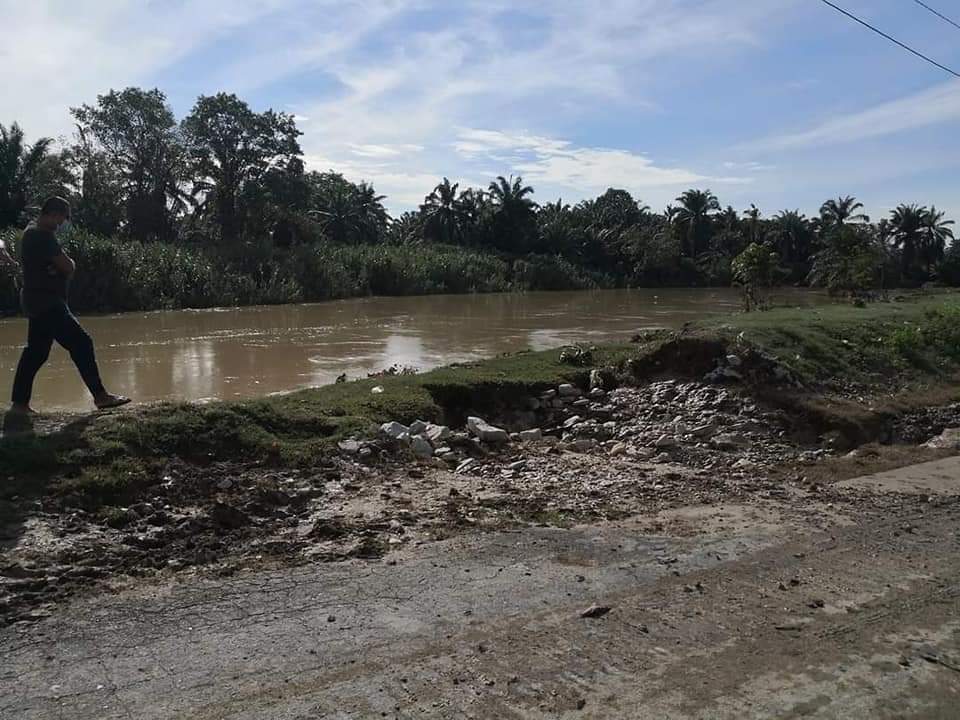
(63, 264)
(5, 259)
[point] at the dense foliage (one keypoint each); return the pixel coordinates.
(219, 208)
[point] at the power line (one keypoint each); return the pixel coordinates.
(891, 39)
(938, 13)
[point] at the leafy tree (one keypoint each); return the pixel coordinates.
(694, 216)
(617, 209)
(133, 132)
(231, 149)
(754, 269)
(848, 261)
(347, 212)
(19, 162)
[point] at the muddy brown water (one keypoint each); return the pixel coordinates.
(199, 355)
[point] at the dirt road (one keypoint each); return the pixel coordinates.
(793, 607)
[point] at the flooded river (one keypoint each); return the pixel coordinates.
(246, 352)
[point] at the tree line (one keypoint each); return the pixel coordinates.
(229, 181)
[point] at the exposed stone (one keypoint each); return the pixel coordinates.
(350, 446)
(666, 441)
(949, 439)
(486, 432)
(548, 395)
(580, 446)
(421, 447)
(378, 390)
(734, 361)
(596, 380)
(618, 449)
(532, 435)
(569, 391)
(418, 428)
(597, 394)
(570, 422)
(228, 517)
(729, 441)
(466, 465)
(438, 433)
(518, 465)
(393, 429)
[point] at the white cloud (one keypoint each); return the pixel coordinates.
(561, 165)
(398, 105)
(934, 106)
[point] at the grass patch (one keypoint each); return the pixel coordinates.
(109, 457)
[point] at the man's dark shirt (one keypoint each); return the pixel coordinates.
(44, 287)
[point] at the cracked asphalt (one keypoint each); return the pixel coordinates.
(790, 607)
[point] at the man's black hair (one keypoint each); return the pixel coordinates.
(55, 206)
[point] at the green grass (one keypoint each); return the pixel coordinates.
(112, 457)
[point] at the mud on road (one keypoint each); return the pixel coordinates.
(773, 608)
(602, 456)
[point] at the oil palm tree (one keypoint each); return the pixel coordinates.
(443, 215)
(694, 215)
(841, 211)
(934, 238)
(514, 213)
(793, 235)
(907, 223)
(18, 163)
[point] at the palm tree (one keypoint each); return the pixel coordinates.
(18, 163)
(443, 215)
(515, 217)
(907, 224)
(694, 214)
(841, 211)
(793, 234)
(935, 234)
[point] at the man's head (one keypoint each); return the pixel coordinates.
(54, 213)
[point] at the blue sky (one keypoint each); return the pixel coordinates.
(779, 102)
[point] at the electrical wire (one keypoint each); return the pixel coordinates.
(891, 39)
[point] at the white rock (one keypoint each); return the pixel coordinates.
(438, 433)
(666, 441)
(518, 465)
(350, 446)
(734, 361)
(618, 449)
(393, 429)
(568, 391)
(580, 446)
(532, 435)
(378, 390)
(466, 465)
(949, 439)
(596, 380)
(570, 422)
(421, 447)
(729, 440)
(704, 431)
(487, 432)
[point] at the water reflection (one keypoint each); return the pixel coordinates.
(233, 353)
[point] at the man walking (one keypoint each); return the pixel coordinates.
(47, 271)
